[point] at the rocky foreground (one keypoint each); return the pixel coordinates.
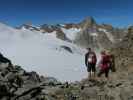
(17, 84)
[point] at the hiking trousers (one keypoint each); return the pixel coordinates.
(91, 67)
(106, 72)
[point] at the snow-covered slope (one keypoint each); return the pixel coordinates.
(71, 33)
(42, 53)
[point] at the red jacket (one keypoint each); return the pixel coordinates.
(105, 62)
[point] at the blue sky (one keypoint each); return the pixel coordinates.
(115, 12)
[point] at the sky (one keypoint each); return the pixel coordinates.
(115, 12)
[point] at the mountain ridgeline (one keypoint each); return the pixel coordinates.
(87, 33)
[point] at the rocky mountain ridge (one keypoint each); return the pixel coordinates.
(89, 34)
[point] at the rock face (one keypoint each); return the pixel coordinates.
(61, 35)
(49, 28)
(124, 51)
(88, 22)
(29, 27)
(95, 37)
(72, 25)
(98, 36)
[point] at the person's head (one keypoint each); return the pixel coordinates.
(108, 52)
(103, 52)
(89, 49)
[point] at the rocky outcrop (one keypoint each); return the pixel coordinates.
(124, 51)
(72, 25)
(49, 28)
(29, 27)
(57, 28)
(118, 33)
(66, 48)
(17, 84)
(61, 35)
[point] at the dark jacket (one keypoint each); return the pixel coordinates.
(87, 56)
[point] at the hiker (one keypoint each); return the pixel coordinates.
(90, 62)
(104, 64)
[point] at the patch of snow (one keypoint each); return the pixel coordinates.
(94, 34)
(71, 33)
(62, 25)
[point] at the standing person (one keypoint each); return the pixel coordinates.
(104, 64)
(90, 62)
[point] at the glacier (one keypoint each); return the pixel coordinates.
(42, 53)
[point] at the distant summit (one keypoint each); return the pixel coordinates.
(88, 22)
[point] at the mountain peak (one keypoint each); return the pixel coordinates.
(89, 19)
(88, 22)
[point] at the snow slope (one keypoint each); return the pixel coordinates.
(71, 33)
(39, 52)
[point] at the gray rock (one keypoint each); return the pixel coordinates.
(3, 66)
(50, 81)
(126, 93)
(89, 93)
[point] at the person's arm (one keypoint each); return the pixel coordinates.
(86, 57)
(95, 57)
